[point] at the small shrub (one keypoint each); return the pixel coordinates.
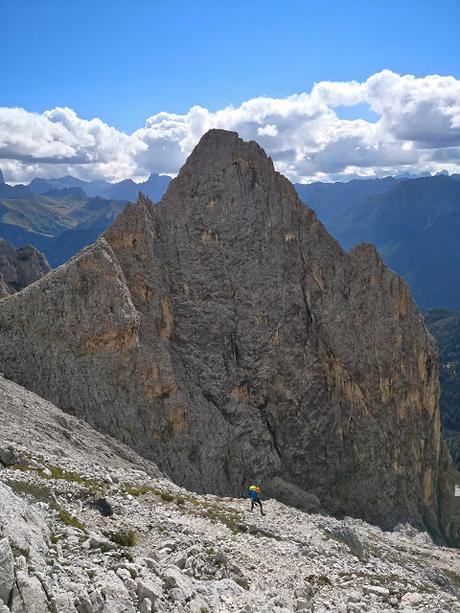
(60, 473)
(55, 538)
(126, 538)
(137, 490)
(70, 520)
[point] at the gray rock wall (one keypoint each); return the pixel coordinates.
(224, 334)
(20, 267)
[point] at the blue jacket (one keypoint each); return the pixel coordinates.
(253, 495)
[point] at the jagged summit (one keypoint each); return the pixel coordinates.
(222, 155)
(224, 334)
(217, 144)
(2, 180)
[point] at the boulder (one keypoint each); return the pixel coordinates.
(116, 596)
(6, 571)
(149, 589)
(349, 537)
(28, 594)
(24, 527)
(292, 495)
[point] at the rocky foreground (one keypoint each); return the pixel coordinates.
(87, 525)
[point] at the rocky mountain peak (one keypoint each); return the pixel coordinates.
(2, 180)
(222, 160)
(20, 267)
(225, 335)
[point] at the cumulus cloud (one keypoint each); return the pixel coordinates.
(417, 130)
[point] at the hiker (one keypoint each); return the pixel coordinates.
(254, 494)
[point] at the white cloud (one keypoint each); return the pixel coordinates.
(417, 130)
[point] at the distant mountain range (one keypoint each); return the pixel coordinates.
(59, 223)
(61, 216)
(331, 200)
(415, 225)
(128, 190)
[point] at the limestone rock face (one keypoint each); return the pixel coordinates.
(224, 334)
(23, 529)
(20, 267)
(4, 289)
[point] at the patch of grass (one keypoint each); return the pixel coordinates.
(55, 538)
(228, 518)
(70, 520)
(180, 500)
(38, 492)
(57, 473)
(66, 475)
(166, 496)
(137, 490)
(452, 576)
(124, 538)
(21, 466)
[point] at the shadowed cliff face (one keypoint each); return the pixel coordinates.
(226, 335)
(20, 267)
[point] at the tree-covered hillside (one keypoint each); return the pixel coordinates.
(445, 327)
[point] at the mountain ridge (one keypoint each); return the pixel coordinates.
(415, 228)
(127, 189)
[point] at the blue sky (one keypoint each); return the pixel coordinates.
(333, 90)
(126, 60)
